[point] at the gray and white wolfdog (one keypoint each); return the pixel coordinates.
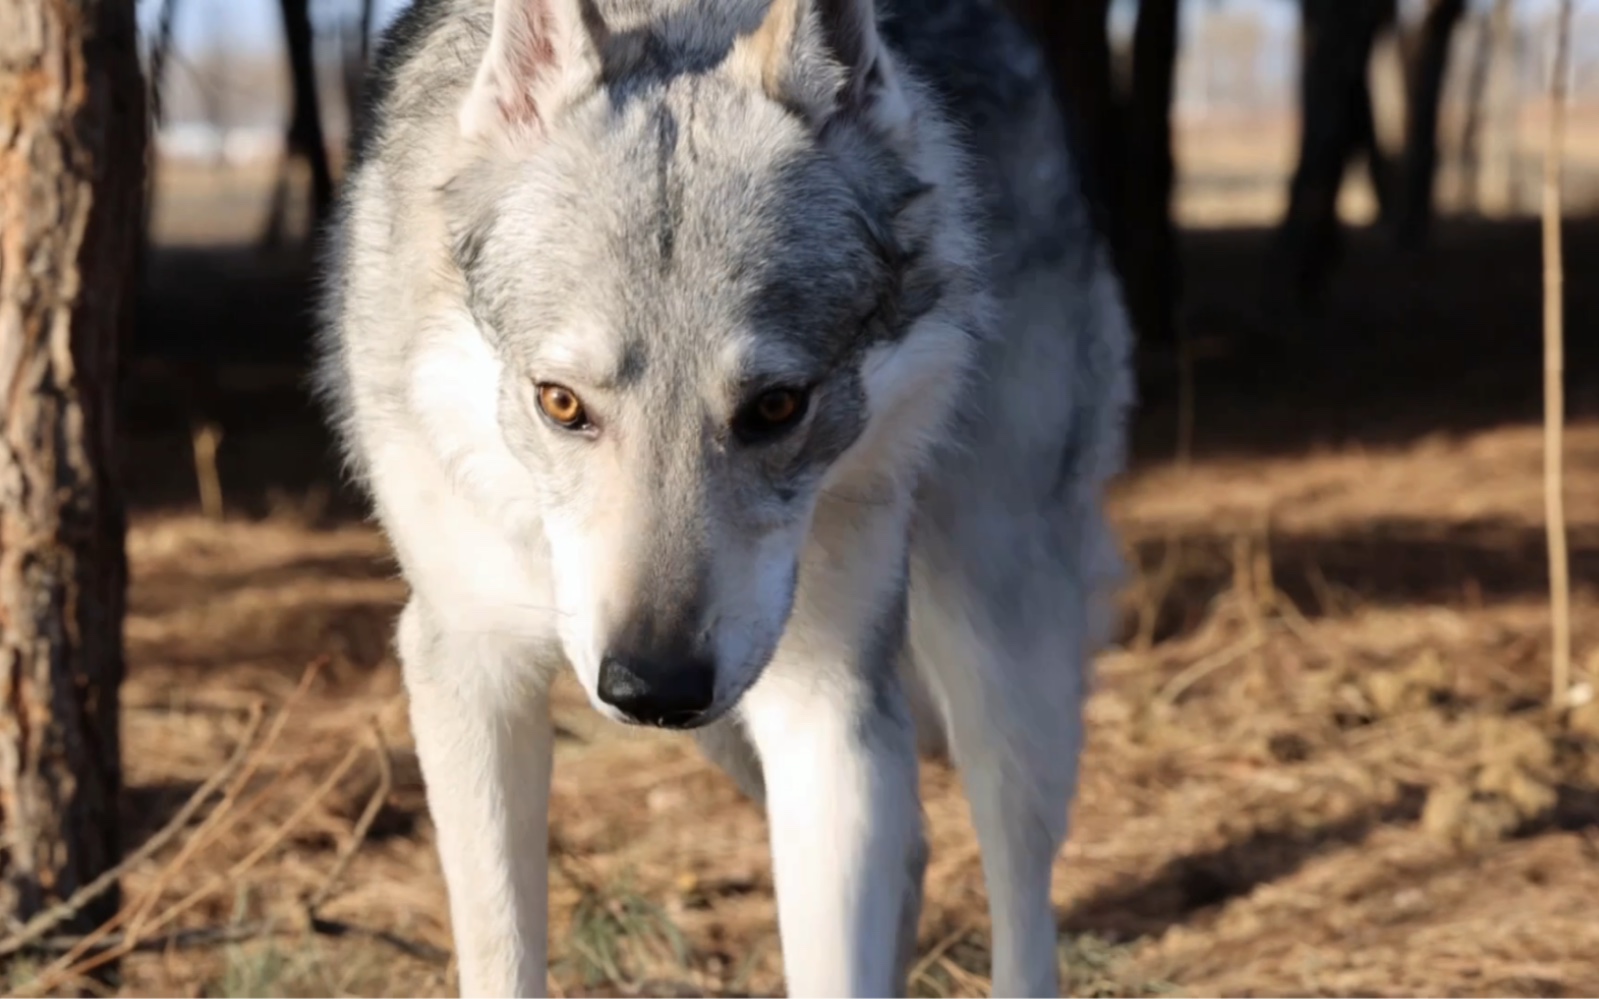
(757, 359)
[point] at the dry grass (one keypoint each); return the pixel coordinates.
(1318, 763)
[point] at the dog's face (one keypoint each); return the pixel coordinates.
(705, 300)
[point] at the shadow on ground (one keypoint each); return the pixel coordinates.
(1392, 562)
(1191, 883)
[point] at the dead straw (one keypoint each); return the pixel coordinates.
(40, 925)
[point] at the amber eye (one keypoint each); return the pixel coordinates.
(772, 412)
(778, 406)
(563, 406)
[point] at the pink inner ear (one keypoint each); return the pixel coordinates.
(528, 58)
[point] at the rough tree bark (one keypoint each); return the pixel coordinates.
(72, 133)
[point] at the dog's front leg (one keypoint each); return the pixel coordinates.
(840, 774)
(837, 748)
(485, 757)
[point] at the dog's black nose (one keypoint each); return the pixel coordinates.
(668, 694)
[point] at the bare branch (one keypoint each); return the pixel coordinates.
(37, 927)
(1554, 364)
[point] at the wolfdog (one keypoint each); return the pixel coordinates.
(756, 359)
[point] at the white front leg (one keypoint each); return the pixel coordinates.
(485, 754)
(832, 728)
(841, 797)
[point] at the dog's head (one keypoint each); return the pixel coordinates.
(725, 269)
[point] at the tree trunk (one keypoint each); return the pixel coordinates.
(357, 59)
(1425, 76)
(1148, 238)
(1470, 153)
(1335, 111)
(1496, 184)
(160, 49)
(1074, 37)
(72, 133)
(304, 139)
(305, 125)
(1368, 144)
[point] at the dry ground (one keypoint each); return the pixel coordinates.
(1319, 761)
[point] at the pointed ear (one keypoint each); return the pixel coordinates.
(780, 56)
(540, 52)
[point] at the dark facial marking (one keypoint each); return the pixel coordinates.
(668, 187)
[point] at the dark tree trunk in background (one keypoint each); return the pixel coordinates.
(1491, 49)
(1499, 178)
(160, 51)
(304, 139)
(1336, 120)
(305, 125)
(72, 134)
(1148, 241)
(1073, 35)
(1379, 171)
(1425, 72)
(365, 27)
(1476, 89)
(1123, 142)
(357, 58)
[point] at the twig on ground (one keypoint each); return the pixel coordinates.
(208, 936)
(1179, 684)
(78, 962)
(1155, 590)
(1186, 392)
(271, 843)
(51, 977)
(938, 950)
(209, 829)
(965, 982)
(207, 438)
(1292, 617)
(363, 825)
(1246, 584)
(37, 927)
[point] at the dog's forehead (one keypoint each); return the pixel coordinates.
(678, 228)
(729, 205)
